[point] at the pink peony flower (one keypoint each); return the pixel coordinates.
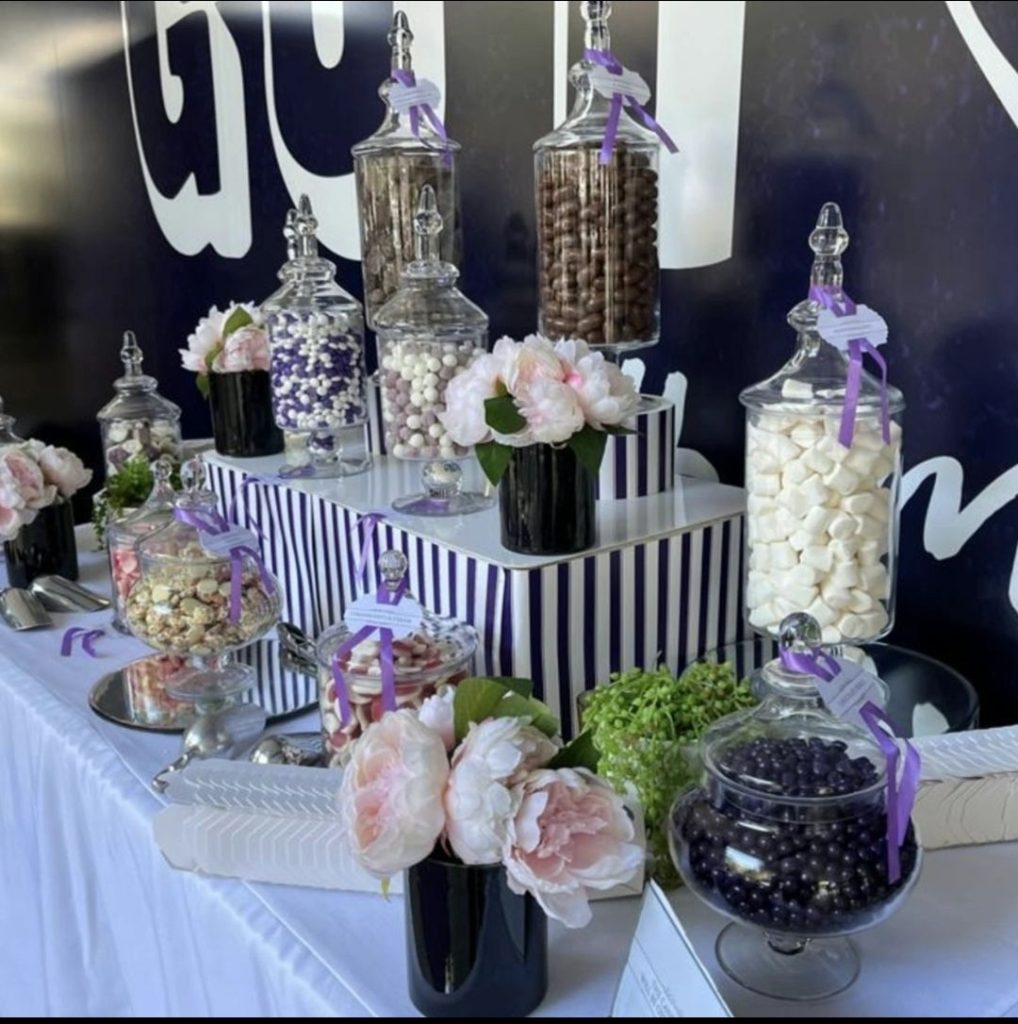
(606, 395)
(437, 714)
(245, 349)
(570, 833)
(65, 469)
(533, 360)
(552, 410)
(22, 484)
(391, 798)
(494, 756)
(207, 335)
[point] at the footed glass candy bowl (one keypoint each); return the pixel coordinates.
(787, 835)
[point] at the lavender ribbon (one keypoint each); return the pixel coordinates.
(213, 523)
(366, 527)
(87, 637)
(835, 299)
(901, 793)
(606, 59)
(384, 596)
(409, 79)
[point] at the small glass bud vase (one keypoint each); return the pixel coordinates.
(429, 332)
(316, 336)
(138, 422)
(409, 151)
(597, 220)
(822, 517)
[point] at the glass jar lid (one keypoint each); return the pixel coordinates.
(428, 299)
(399, 131)
(136, 396)
(155, 513)
(815, 379)
(437, 650)
(790, 748)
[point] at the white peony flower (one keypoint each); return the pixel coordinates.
(64, 469)
(533, 360)
(606, 395)
(437, 714)
(207, 335)
(553, 411)
(478, 800)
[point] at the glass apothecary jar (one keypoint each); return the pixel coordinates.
(439, 654)
(787, 835)
(597, 221)
(822, 516)
(124, 535)
(391, 168)
(429, 332)
(7, 435)
(197, 603)
(138, 421)
(316, 335)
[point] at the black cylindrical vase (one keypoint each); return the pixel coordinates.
(43, 547)
(242, 420)
(547, 501)
(474, 948)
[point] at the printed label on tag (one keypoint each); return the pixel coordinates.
(849, 690)
(221, 544)
(403, 618)
(403, 97)
(629, 83)
(863, 323)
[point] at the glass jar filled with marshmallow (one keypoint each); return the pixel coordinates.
(429, 332)
(822, 515)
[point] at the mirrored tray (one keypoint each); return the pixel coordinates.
(135, 695)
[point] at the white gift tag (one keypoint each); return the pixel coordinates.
(851, 689)
(221, 544)
(863, 323)
(403, 618)
(403, 97)
(629, 83)
(663, 976)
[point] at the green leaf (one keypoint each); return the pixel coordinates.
(475, 700)
(524, 687)
(620, 431)
(203, 385)
(589, 445)
(494, 459)
(515, 706)
(238, 318)
(502, 415)
(581, 753)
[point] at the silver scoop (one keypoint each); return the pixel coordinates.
(217, 734)
(59, 594)
(21, 609)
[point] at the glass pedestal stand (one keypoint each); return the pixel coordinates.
(334, 454)
(443, 495)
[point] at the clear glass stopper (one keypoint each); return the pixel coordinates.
(828, 240)
(193, 474)
(800, 633)
(596, 14)
(131, 355)
(306, 227)
(427, 226)
(393, 567)
(290, 234)
(442, 478)
(401, 40)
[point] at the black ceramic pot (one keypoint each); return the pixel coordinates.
(43, 547)
(474, 948)
(547, 502)
(242, 415)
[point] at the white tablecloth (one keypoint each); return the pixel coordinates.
(93, 920)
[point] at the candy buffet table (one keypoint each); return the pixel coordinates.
(93, 921)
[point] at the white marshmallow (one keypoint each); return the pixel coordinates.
(830, 635)
(832, 448)
(844, 576)
(756, 504)
(842, 480)
(875, 622)
(858, 504)
(796, 389)
(814, 491)
(844, 550)
(860, 601)
(765, 484)
(819, 558)
(862, 462)
(882, 469)
(869, 554)
(842, 526)
(795, 500)
(794, 473)
(805, 435)
(815, 459)
(800, 540)
(876, 581)
(804, 575)
(782, 607)
(764, 461)
(823, 613)
(881, 507)
(816, 521)
(800, 596)
(870, 528)
(835, 597)
(783, 556)
(762, 616)
(760, 558)
(852, 627)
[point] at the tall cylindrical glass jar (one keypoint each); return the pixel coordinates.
(822, 517)
(597, 220)
(429, 332)
(316, 334)
(409, 151)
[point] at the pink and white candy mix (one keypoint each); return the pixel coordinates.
(558, 389)
(34, 476)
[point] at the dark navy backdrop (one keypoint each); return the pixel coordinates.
(879, 106)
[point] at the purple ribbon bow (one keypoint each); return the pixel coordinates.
(385, 596)
(607, 59)
(213, 523)
(835, 299)
(409, 79)
(901, 793)
(87, 637)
